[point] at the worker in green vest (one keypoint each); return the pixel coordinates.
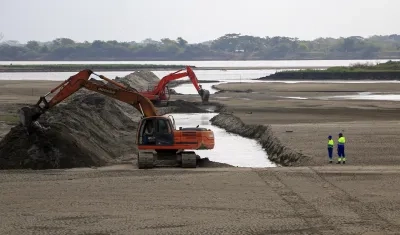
(340, 149)
(330, 148)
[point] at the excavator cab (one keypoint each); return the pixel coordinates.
(156, 131)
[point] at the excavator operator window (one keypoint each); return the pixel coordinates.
(163, 127)
(164, 135)
(149, 128)
(148, 132)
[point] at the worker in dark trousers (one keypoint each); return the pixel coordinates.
(330, 148)
(340, 149)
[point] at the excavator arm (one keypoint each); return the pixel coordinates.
(160, 88)
(81, 80)
(204, 94)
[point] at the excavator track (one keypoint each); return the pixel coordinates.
(145, 160)
(189, 159)
(148, 160)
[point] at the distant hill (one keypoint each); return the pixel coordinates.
(227, 47)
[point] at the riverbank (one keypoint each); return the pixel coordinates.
(303, 125)
(326, 75)
(389, 70)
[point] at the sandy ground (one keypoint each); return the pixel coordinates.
(315, 199)
(123, 200)
(371, 127)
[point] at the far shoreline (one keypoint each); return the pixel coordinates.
(132, 67)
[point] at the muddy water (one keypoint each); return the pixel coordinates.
(229, 148)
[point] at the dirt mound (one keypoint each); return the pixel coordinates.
(139, 80)
(90, 130)
(182, 106)
(277, 152)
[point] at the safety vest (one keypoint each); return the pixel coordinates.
(330, 143)
(341, 140)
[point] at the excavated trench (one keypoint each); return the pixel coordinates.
(277, 152)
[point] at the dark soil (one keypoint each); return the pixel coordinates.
(181, 106)
(90, 130)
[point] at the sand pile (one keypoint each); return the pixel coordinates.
(90, 130)
(139, 80)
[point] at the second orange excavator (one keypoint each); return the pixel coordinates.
(159, 94)
(156, 135)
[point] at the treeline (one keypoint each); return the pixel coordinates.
(227, 47)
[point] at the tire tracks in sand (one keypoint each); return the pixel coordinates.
(325, 208)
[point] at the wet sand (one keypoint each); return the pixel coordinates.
(313, 199)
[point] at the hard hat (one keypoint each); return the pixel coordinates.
(330, 136)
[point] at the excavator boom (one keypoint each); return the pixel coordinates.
(81, 80)
(154, 132)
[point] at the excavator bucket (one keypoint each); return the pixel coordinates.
(27, 115)
(205, 95)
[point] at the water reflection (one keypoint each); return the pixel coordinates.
(229, 148)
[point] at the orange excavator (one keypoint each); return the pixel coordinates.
(156, 135)
(160, 93)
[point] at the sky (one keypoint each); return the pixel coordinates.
(194, 20)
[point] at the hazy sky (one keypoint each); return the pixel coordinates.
(194, 20)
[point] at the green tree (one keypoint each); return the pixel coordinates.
(227, 47)
(33, 45)
(182, 42)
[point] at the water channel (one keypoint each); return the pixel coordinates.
(229, 148)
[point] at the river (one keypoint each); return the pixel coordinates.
(231, 63)
(220, 75)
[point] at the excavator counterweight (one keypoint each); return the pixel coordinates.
(156, 136)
